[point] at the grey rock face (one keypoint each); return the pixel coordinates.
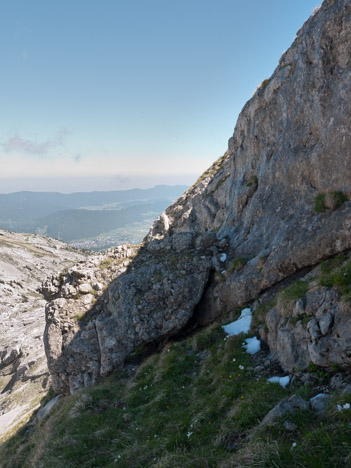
(290, 144)
(320, 336)
(255, 204)
(152, 295)
(25, 262)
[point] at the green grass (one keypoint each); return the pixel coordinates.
(292, 293)
(263, 84)
(237, 265)
(319, 203)
(321, 442)
(212, 170)
(221, 181)
(188, 405)
(337, 273)
(107, 263)
(331, 200)
(182, 407)
(338, 198)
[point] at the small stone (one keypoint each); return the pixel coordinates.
(319, 402)
(127, 417)
(267, 363)
(84, 288)
(288, 405)
(258, 368)
(289, 426)
(299, 308)
(325, 323)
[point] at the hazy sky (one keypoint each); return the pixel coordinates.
(114, 94)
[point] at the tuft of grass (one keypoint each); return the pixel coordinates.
(319, 203)
(337, 273)
(221, 181)
(329, 201)
(80, 316)
(291, 294)
(211, 171)
(258, 316)
(237, 265)
(263, 84)
(335, 199)
(219, 277)
(105, 264)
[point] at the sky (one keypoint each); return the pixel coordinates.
(117, 94)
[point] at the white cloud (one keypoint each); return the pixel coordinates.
(18, 145)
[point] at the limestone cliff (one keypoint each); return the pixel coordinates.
(275, 204)
(25, 261)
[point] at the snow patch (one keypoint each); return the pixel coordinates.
(343, 407)
(252, 345)
(283, 381)
(242, 325)
(223, 257)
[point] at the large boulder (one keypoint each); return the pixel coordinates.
(153, 294)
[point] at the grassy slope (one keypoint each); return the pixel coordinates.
(188, 405)
(192, 404)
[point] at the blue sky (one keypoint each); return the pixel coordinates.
(113, 94)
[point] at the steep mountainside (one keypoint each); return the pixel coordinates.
(267, 228)
(275, 205)
(25, 261)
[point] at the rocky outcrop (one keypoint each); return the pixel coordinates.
(276, 203)
(291, 144)
(25, 260)
(315, 327)
(90, 330)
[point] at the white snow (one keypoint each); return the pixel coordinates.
(242, 325)
(283, 381)
(252, 345)
(223, 257)
(343, 407)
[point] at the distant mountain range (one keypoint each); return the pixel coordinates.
(87, 219)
